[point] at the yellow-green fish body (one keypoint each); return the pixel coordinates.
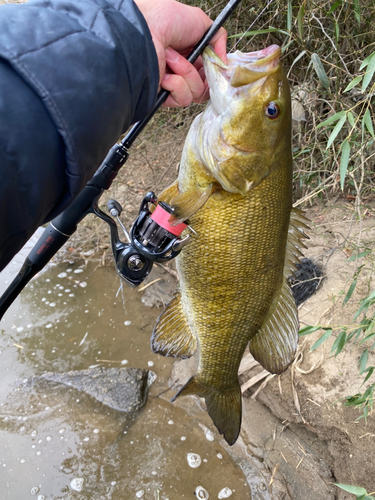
(235, 186)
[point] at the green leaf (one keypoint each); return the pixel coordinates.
(356, 490)
(300, 15)
(354, 82)
(368, 122)
(370, 371)
(356, 256)
(336, 131)
(339, 343)
(321, 339)
(334, 6)
(332, 119)
(306, 330)
(366, 61)
(351, 119)
(320, 71)
(357, 11)
(368, 337)
(350, 292)
(289, 16)
(345, 155)
(260, 32)
(369, 73)
(363, 361)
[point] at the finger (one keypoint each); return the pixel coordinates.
(180, 94)
(181, 67)
(219, 43)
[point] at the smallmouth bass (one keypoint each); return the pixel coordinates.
(235, 187)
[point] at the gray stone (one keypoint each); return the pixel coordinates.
(123, 389)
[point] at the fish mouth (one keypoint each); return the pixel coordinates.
(245, 68)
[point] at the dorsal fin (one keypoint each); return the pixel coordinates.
(172, 335)
(275, 344)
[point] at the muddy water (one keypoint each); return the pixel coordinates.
(59, 443)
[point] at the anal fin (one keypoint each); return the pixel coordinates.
(224, 406)
(275, 344)
(172, 335)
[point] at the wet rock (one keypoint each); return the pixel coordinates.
(123, 389)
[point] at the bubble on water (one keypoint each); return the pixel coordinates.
(49, 325)
(43, 299)
(140, 493)
(201, 493)
(71, 295)
(40, 441)
(20, 329)
(113, 483)
(52, 304)
(59, 294)
(83, 284)
(34, 490)
(225, 493)
(4, 465)
(41, 497)
(150, 363)
(219, 455)
(124, 362)
(62, 275)
(76, 484)
(62, 430)
(34, 433)
(38, 453)
(22, 428)
(183, 438)
(67, 290)
(194, 460)
(49, 438)
(22, 461)
(78, 271)
(48, 280)
(86, 438)
(127, 323)
(153, 473)
(170, 422)
(209, 434)
(5, 419)
(96, 431)
(87, 311)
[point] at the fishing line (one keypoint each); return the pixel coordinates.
(251, 25)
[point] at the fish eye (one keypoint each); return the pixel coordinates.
(272, 110)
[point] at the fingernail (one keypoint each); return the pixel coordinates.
(171, 55)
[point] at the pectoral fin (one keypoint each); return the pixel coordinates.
(172, 335)
(223, 406)
(169, 193)
(186, 204)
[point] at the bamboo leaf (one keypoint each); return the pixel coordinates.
(355, 490)
(289, 17)
(320, 71)
(300, 15)
(370, 371)
(350, 292)
(336, 131)
(366, 61)
(354, 82)
(332, 119)
(334, 6)
(368, 122)
(345, 155)
(369, 73)
(321, 339)
(363, 361)
(339, 343)
(306, 330)
(357, 11)
(351, 119)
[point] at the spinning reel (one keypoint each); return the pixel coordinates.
(151, 239)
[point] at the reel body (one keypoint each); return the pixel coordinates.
(151, 238)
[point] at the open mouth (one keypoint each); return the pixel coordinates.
(245, 68)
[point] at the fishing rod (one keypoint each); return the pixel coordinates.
(151, 239)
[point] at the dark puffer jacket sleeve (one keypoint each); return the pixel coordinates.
(74, 75)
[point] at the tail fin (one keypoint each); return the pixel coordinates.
(224, 407)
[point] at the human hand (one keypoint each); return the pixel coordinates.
(175, 30)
